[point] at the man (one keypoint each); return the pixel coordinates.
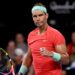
(47, 47)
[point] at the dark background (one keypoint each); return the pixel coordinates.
(16, 17)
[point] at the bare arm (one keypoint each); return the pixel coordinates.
(26, 63)
(61, 49)
(27, 60)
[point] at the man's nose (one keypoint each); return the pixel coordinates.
(38, 18)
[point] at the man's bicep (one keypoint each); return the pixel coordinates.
(27, 58)
(61, 48)
(63, 51)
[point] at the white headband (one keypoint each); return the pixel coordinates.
(42, 8)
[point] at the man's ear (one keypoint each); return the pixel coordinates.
(47, 15)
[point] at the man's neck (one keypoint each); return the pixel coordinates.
(43, 28)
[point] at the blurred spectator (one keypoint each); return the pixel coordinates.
(2, 62)
(4, 66)
(20, 42)
(18, 59)
(71, 52)
(10, 49)
(71, 46)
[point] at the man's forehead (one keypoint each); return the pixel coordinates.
(37, 12)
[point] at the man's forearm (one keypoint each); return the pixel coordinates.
(65, 58)
(27, 61)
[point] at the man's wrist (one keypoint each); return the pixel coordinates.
(56, 56)
(23, 70)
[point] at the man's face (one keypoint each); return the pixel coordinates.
(73, 37)
(39, 18)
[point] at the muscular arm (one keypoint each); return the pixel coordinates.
(61, 49)
(27, 60)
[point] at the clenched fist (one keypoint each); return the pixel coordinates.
(46, 52)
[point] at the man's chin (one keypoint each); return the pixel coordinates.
(39, 25)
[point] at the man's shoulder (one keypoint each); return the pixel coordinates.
(54, 31)
(33, 32)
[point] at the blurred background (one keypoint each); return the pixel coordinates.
(15, 17)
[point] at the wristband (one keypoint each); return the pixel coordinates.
(23, 70)
(56, 56)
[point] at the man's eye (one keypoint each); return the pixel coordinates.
(34, 16)
(37, 15)
(41, 15)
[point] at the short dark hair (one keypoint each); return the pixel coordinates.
(39, 4)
